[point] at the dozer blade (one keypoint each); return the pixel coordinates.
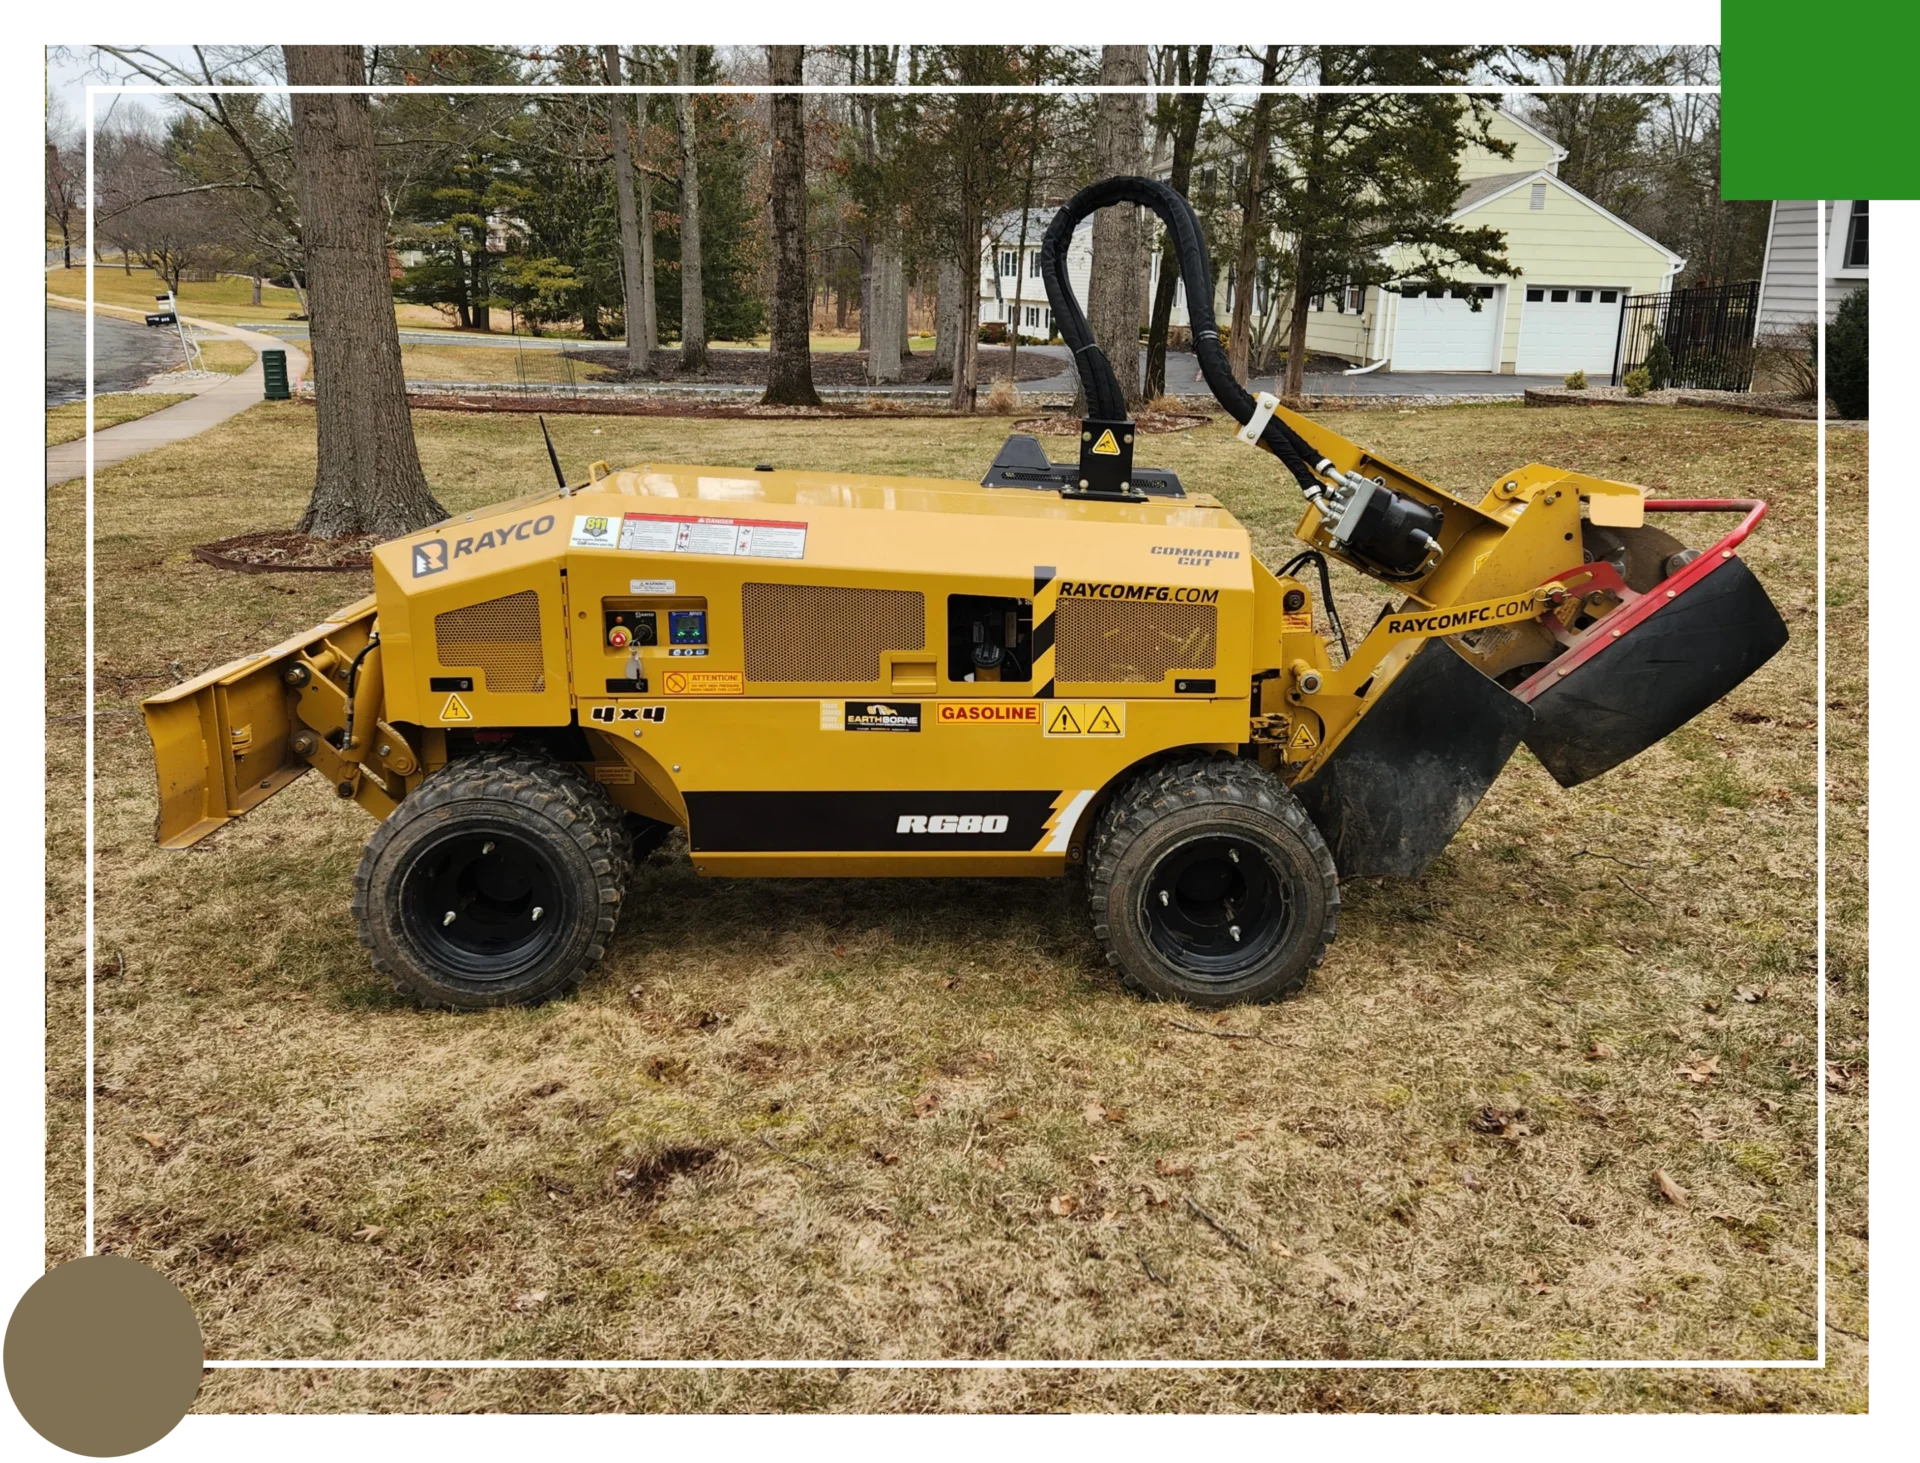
(1655, 664)
(221, 741)
(1391, 796)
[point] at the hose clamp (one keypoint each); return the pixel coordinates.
(1263, 407)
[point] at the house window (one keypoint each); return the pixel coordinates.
(1538, 200)
(1586, 297)
(1855, 255)
(1316, 302)
(1607, 297)
(1434, 292)
(1033, 265)
(1484, 291)
(1534, 297)
(1559, 297)
(1009, 265)
(1356, 298)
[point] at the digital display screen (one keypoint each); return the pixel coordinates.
(687, 627)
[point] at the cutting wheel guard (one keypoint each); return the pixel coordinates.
(1659, 660)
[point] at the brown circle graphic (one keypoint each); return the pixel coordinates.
(103, 1356)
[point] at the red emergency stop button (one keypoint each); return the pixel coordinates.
(619, 637)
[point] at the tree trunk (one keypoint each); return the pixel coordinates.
(1248, 263)
(635, 283)
(1020, 255)
(693, 304)
(789, 358)
(966, 331)
(889, 308)
(1117, 289)
(256, 289)
(1186, 134)
(369, 478)
(650, 337)
(946, 319)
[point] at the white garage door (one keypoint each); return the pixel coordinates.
(1566, 328)
(1439, 330)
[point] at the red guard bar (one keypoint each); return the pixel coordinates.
(1621, 621)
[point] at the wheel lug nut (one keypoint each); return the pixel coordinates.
(1234, 930)
(537, 912)
(447, 921)
(486, 848)
(1164, 900)
(1234, 854)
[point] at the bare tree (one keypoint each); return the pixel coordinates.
(369, 478)
(1195, 69)
(66, 185)
(789, 357)
(693, 305)
(636, 280)
(1115, 294)
(1247, 262)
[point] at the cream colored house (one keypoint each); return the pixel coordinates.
(1558, 311)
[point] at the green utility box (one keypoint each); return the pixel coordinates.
(274, 364)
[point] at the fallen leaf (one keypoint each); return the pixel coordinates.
(1699, 1070)
(1095, 1112)
(1600, 1052)
(1500, 1122)
(529, 1300)
(152, 1140)
(1063, 1204)
(1246, 1135)
(1283, 1251)
(1006, 1115)
(547, 1088)
(1771, 1105)
(925, 1104)
(1750, 995)
(998, 1165)
(1669, 1190)
(886, 1159)
(1471, 1180)
(370, 1233)
(1099, 1160)
(947, 985)
(1173, 1168)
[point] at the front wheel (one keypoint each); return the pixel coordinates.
(496, 882)
(1208, 883)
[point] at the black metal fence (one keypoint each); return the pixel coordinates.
(1708, 332)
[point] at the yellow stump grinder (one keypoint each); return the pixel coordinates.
(1063, 665)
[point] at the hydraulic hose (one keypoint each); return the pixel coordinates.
(1105, 400)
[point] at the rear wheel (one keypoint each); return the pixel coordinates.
(496, 882)
(1208, 883)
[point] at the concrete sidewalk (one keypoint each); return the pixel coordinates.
(176, 423)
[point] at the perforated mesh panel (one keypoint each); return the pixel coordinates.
(1130, 640)
(811, 632)
(498, 637)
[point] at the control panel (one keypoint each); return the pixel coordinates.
(635, 629)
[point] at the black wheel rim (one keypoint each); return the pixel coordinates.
(484, 903)
(1216, 906)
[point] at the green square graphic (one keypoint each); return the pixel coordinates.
(1818, 104)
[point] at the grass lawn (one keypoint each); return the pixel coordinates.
(492, 363)
(68, 423)
(933, 1124)
(229, 357)
(227, 299)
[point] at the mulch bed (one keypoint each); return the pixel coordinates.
(1755, 403)
(281, 552)
(830, 368)
(1147, 423)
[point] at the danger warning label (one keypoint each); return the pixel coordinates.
(1085, 719)
(455, 710)
(1106, 446)
(1303, 739)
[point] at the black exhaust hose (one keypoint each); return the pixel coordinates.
(1105, 400)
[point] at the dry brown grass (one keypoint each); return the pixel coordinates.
(68, 423)
(937, 1127)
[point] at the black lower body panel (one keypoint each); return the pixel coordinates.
(1396, 790)
(1658, 676)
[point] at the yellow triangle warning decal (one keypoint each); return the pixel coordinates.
(1063, 722)
(1303, 738)
(1103, 724)
(455, 710)
(1106, 446)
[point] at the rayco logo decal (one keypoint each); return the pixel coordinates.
(1193, 558)
(952, 823)
(431, 557)
(990, 711)
(1160, 593)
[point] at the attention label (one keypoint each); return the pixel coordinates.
(703, 683)
(1086, 719)
(750, 538)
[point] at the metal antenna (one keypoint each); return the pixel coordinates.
(554, 457)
